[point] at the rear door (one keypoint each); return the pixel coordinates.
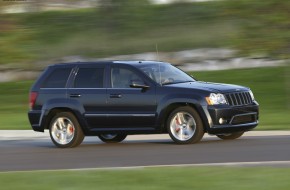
(130, 107)
(88, 90)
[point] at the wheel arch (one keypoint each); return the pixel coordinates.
(53, 111)
(171, 107)
(57, 105)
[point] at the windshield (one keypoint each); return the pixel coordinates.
(164, 73)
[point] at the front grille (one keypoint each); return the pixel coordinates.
(239, 98)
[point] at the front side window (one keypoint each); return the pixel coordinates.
(57, 79)
(164, 73)
(123, 78)
(89, 78)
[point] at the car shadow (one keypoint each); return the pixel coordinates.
(46, 143)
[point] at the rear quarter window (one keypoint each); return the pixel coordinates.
(57, 78)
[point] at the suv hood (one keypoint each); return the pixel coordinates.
(212, 87)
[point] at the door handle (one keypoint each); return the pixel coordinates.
(115, 95)
(75, 95)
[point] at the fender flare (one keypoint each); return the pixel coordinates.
(63, 104)
(195, 101)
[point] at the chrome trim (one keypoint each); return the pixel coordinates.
(125, 88)
(243, 98)
(73, 88)
(246, 124)
(231, 99)
(118, 115)
(246, 98)
(85, 88)
(233, 126)
(238, 98)
(249, 98)
(251, 113)
(54, 88)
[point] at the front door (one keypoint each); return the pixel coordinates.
(130, 107)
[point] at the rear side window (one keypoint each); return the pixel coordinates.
(89, 78)
(57, 78)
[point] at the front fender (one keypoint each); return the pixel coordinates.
(196, 101)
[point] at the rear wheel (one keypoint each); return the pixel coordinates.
(185, 126)
(65, 131)
(230, 136)
(112, 138)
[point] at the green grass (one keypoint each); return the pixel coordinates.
(14, 105)
(270, 86)
(217, 178)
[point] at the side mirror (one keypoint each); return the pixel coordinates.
(135, 84)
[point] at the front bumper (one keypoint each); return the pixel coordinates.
(230, 119)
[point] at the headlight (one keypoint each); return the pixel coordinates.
(215, 99)
(252, 95)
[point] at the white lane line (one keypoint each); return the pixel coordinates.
(225, 164)
(264, 163)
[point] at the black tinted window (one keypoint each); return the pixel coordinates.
(57, 79)
(122, 78)
(89, 78)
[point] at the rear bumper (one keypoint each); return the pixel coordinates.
(229, 119)
(34, 119)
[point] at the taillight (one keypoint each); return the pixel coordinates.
(32, 99)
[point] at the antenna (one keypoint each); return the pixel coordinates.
(158, 62)
(156, 46)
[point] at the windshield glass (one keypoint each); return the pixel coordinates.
(164, 73)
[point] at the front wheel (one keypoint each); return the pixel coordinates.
(185, 126)
(112, 138)
(230, 136)
(65, 131)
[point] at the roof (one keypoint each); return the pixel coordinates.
(108, 62)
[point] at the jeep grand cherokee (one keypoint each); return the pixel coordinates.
(113, 99)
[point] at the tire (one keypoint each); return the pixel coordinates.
(112, 138)
(185, 126)
(230, 136)
(65, 130)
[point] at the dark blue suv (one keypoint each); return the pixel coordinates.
(113, 99)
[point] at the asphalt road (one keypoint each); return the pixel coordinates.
(40, 154)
